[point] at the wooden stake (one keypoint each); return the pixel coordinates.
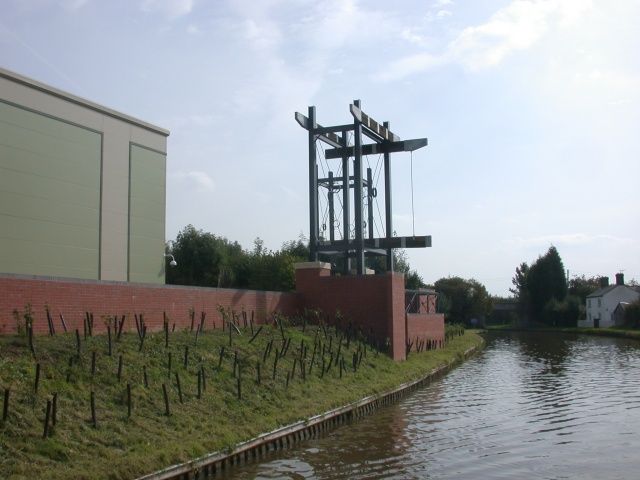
(54, 409)
(93, 363)
(93, 410)
(144, 376)
(109, 338)
(221, 356)
(128, 400)
(37, 382)
(275, 364)
(204, 379)
(239, 389)
(179, 387)
(78, 342)
(258, 373)
(5, 406)
(45, 432)
(255, 334)
(199, 384)
(169, 365)
(167, 411)
(119, 368)
(186, 356)
(64, 324)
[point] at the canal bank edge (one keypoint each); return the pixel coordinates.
(599, 332)
(284, 437)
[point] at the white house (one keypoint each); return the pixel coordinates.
(602, 303)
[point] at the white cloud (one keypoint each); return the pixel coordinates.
(170, 8)
(199, 180)
(518, 26)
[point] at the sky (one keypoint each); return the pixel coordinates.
(531, 108)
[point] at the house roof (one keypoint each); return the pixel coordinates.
(603, 291)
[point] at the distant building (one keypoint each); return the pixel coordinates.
(82, 187)
(605, 306)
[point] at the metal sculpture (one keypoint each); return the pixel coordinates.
(343, 147)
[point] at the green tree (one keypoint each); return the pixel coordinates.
(582, 286)
(546, 281)
(520, 291)
(199, 255)
(462, 300)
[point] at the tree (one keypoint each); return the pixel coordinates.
(521, 292)
(463, 300)
(546, 281)
(199, 255)
(582, 286)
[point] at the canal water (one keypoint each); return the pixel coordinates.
(531, 405)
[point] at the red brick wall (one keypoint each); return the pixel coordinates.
(375, 303)
(425, 326)
(72, 298)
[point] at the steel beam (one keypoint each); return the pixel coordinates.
(388, 230)
(423, 241)
(346, 212)
(378, 148)
(313, 188)
(328, 138)
(357, 193)
(371, 125)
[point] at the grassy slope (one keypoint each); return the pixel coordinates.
(124, 447)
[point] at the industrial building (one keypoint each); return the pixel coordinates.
(82, 187)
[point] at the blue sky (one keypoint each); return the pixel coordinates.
(531, 108)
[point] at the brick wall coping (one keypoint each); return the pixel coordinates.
(304, 265)
(16, 276)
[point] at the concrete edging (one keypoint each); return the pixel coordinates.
(211, 464)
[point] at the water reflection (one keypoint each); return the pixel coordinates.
(531, 405)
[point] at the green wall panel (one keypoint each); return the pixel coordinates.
(49, 195)
(146, 215)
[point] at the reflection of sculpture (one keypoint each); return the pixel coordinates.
(384, 143)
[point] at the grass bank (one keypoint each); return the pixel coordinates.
(125, 445)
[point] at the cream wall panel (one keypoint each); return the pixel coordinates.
(146, 215)
(49, 195)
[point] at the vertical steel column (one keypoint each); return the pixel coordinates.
(387, 205)
(346, 210)
(331, 212)
(357, 193)
(313, 188)
(370, 202)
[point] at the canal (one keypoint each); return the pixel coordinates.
(531, 405)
